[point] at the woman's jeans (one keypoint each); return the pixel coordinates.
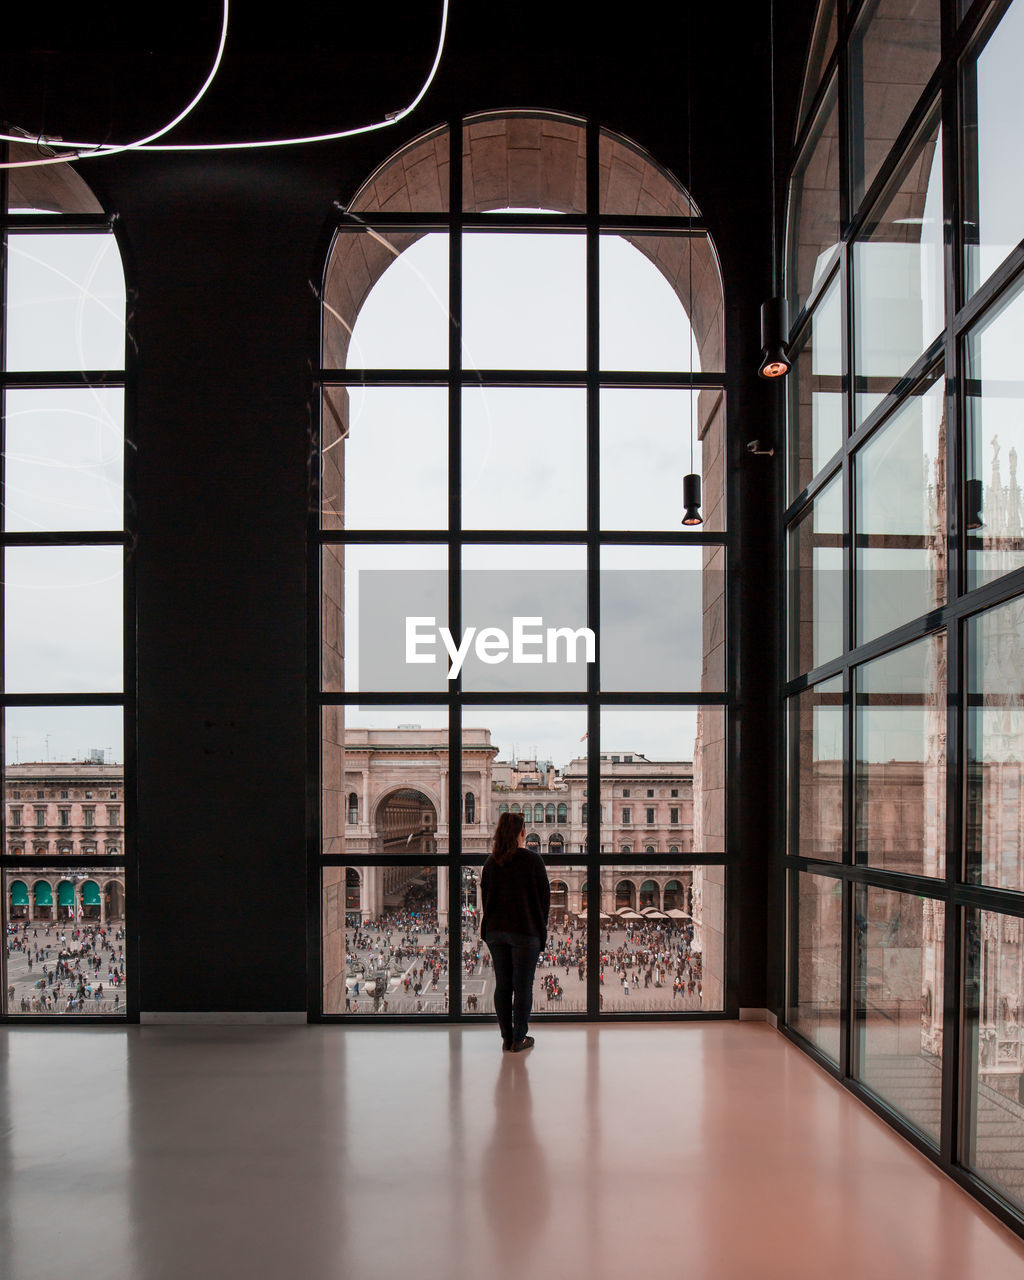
(515, 957)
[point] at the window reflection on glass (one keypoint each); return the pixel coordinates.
(818, 770)
(385, 939)
(994, 1037)
(898, 941)
(523, 301)
(384, 458)
(813, 219)
(899, 276)
(63, 628)
(65, 302)
(64, 459)
(994, 180)
(823, 42)
(900, 759)
(816, 581)
(816, 401)
(367, 594)
(646, 287)
(645, 452)
(545, 585)
(386, 300)
(893, 53)
(64, 927)
(652, 617)
(524, 458)
(901, 516)
(815, 957)
(995, 746)
(994, 410)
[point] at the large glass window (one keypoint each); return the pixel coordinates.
(472, 516)
(64, 544)
(905, 858)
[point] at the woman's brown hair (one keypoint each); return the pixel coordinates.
(506, 837)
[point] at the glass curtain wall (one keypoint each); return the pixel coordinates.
(63, 862)
(905, 697)
(522, 355)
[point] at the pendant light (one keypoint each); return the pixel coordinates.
(775, 361)
(691, 481)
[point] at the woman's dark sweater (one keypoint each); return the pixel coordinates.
(516, 897)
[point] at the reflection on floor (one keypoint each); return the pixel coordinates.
(706, 1152)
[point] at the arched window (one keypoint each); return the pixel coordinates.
(555, 247)
(502, 808)
(64, 530)
(649, 894)
(533, 841)
(555, 843)
(353, 807)
(626, 848)
(470, 807)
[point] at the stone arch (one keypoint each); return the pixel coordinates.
(533, 841)
(113, 893)
(625, 895)
(650, 895)
(559, 900)
(406, 818)
(519, 159)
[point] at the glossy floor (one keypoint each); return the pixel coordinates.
(710, 1152)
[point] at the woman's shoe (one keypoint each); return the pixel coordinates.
(526, 1043)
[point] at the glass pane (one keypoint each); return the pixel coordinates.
(384, 458)
(63, 626)
(652, 634)
(993, 178)
(515, 602)
(386, 300)
(816, 581)
(385, 779)
(816, 954)
(632, 183)
(373, 599)
(529, 163)
(900, 745)
(530, 760)
(414, 181)
(655, 960)
(523, 301)
(995, 440)
(823, 41)
(901, 516)
(994, 1036)
(813, 219)
(64, 781)
(662, 780)
(385, 939)
(65, 302)
(646, 438)
(898, 1005)
(560, 985)
(64, 459)
(816, 401)
(893, 53)
(995, 747)
(646, 287)
(51, 188)
(65, 940)
(818, 777)
(524, 458)
(898, 276)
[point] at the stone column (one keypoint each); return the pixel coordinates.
(442, 898)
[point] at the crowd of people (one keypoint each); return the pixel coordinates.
(398, 963)
(65, 967)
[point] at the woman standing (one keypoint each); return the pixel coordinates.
(516, 899)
